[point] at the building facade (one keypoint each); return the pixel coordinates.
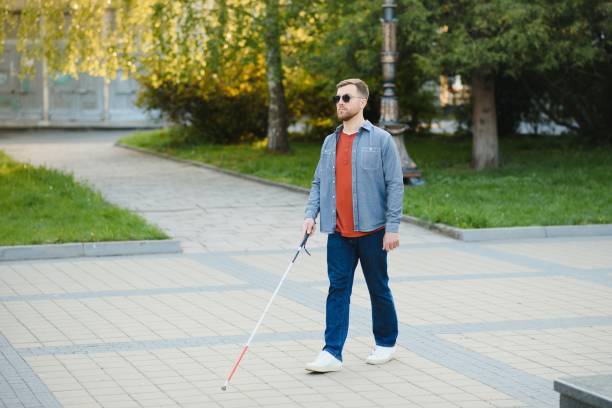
(63, 101)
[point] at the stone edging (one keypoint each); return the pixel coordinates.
(463, 234)
(495, 234)
(215, 168)
(87, 249)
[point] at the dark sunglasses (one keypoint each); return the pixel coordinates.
(345, 98)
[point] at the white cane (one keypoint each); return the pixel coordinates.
(246, 346)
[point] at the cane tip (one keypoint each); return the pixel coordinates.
(223, 387)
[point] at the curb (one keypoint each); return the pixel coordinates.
(89, 249)
(35, 124)
(551, 231)
(215, 168)
(437, 227)
(462, 234)
(504, 233)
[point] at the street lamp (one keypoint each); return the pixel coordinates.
(389, 110)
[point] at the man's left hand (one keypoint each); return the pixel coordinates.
(390, 241)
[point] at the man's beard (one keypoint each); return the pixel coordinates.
(346, 116)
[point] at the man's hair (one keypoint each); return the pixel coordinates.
(362, 87)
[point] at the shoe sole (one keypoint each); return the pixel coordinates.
(379, 362)
(322, 370)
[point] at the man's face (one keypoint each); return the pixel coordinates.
(356, 103)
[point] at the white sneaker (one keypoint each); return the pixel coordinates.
(324, 363)
(380, 355)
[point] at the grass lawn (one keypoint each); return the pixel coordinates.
(543, 180)
(42, 206)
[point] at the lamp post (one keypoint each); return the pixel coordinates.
(389, 110)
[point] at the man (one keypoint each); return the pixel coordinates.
(358, 189)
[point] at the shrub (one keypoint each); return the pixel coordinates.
(215, 117)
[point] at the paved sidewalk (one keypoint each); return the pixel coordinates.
(208, 211)
(481, 325)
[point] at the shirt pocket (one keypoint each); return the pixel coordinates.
(328, 159)
(370, 158)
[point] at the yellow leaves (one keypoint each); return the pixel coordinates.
(83, 35)
(86, 36)
(154, 81)
(260, 144)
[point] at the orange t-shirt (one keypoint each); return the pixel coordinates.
(345, 223)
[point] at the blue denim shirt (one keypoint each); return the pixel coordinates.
(378, 188)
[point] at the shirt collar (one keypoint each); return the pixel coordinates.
(367, 125)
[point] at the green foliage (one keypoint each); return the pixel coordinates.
(40, 206)
(499, 36)
(220, 89)
(295, 167)
(80, 36)
(346, 43)
(215, 117)
(549, 57)
(544, 181)
(575, 89)
(6, 24)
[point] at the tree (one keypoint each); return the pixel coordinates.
(208, 69)
(537, 44)
(6, 23)
(277, 109)
(480, 40)
(346, 40)
(78, 36)
(574, 88)
(192, 46)
(241, 39)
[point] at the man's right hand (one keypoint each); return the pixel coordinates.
(309, 226)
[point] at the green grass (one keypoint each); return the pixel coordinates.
(543, 180)
(295, 168)
(43, 206)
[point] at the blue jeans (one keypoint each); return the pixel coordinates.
(342, 256)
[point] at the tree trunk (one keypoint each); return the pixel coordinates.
(485, 149)
(277, 110)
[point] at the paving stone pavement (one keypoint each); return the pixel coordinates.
(481, 325)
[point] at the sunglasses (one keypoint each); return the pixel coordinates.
(345, 98)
